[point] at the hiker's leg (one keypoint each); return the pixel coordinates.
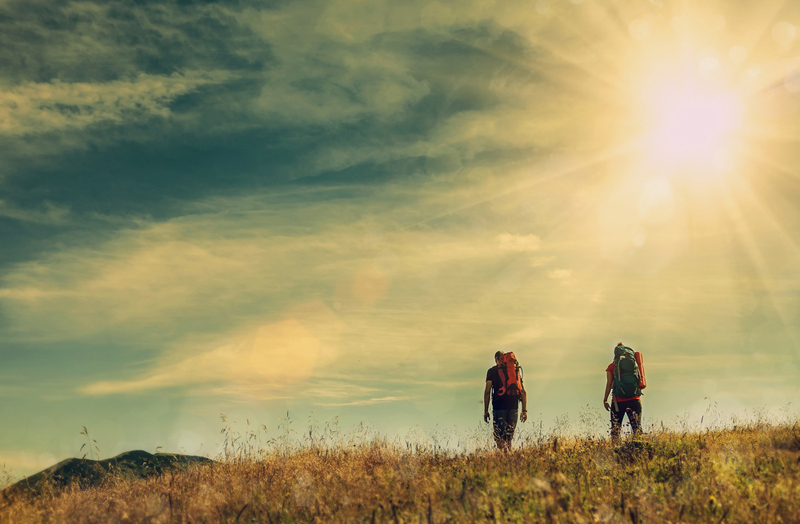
(635, 416)
(498, 426)
(616, 422)
(511, 425)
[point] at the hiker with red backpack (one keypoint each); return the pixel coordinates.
(504, 384)
(625, 375)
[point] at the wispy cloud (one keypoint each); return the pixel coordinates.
(519, 242)
(523, 335)
(271, 356)
(228, 251)
(237, 275)
(367, 402)
(356, 83)
(239, 289)
(38, 108)
(348, 83)
(48, 214)
(559, 274)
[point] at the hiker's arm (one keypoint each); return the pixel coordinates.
(609, 380)
(524, 397)
(486, 394)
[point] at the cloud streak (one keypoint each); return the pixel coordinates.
(272, 357)
(38, 108)
(48, 214)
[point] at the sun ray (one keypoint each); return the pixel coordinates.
(775, 224)
(769, 135)
(559, 56)
(737, 217)
(762, 20)
(529, 183)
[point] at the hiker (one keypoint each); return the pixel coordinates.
(627, 383)
(505, 398)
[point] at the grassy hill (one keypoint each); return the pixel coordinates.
(742, 474)
(86, 473)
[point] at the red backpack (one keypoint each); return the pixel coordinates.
(510, 375)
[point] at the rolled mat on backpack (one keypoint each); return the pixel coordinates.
(640, 362)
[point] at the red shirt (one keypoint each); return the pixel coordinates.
(610, 369)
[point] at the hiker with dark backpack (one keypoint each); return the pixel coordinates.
(504, 385)
(625, 375)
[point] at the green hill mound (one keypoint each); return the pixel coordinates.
(87, 473)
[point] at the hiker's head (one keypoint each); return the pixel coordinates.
(498, 355)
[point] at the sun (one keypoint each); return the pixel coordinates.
(692, 126)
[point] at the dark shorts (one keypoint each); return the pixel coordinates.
(633, 408)
(505, 422)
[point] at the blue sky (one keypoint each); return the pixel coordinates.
(347, 207)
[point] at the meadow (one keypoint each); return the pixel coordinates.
(742, 472)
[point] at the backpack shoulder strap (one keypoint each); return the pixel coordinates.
(503, 380)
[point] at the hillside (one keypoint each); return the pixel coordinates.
(87, 473)
(737, 475)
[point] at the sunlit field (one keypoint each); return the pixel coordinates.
(745, 472)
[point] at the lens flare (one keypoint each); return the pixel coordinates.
(691, 125)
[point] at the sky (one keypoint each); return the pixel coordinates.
(341, 209)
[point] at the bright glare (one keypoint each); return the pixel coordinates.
(694, 126)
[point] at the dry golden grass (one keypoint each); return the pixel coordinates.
(743, 474)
